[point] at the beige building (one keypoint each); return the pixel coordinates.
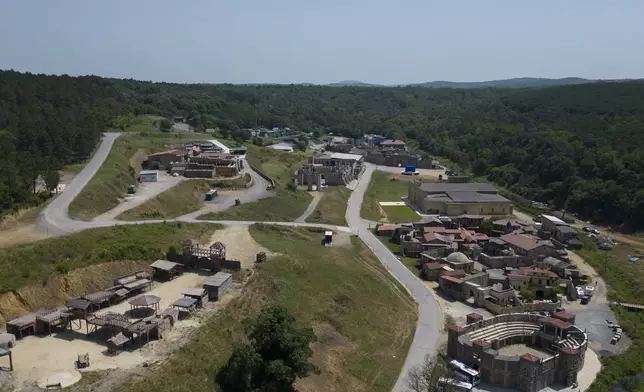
(457, 199)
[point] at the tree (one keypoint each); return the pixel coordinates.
(424, 377)
(52, 178)
(300, 145)
(165, 125)
(275, 356)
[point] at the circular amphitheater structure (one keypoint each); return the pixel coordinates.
(523, 351)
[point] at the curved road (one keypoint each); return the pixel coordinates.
(429, 315)
(55, 219)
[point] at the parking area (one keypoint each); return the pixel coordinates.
(145, 191)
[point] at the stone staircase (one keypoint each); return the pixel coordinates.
(504, 330)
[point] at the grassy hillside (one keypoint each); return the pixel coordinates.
(337, 290)
(332, 208)
(42, 259)
(383, 187)
(179, 200)
(118, 171)
(287, 204)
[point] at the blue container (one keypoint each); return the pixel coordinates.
(410, 168)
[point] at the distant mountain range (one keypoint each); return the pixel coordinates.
(505, 83)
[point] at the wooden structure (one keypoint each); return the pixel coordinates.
(7, 353)
(23, 325)
(165, 270)
(218, 284)
(186, 303)
(218, 249)
(145, 301)
(135, 283)
(116, 342)
(100, 299)
(47, 319)
(200, 294)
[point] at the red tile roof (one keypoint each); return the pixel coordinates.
(518, 276)
(564, 316)
(456, 328)
(431, 219)
(525, 242)
(530, 357)
(452, 279)
(481, 342)
(475, 316)
(539, 271)
(442, 230)
(387, 227)
(433, 266)
(447, 239)
(454, 273)
(556, 322)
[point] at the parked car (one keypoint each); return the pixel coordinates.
(587, 229)
(595, 231)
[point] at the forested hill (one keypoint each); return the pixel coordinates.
(579, 142)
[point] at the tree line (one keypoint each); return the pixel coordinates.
(577, 146)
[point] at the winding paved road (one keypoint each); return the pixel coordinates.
(55, 219)
(429, 315)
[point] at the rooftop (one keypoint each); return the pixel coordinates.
(563, 315)
(555, 322)
(147, 172)
(452, 279)
(443, 187)
(345, 157)
(530, 358)
(554, 220)
(525, 242)
(447, 239)
(475, 316)
(481, 342)
(474, 197)
(165, 265)
(387, 227)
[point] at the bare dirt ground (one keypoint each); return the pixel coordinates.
(20, 233)
(240, 245)
(38, 358)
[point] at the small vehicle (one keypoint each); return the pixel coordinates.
(587, 229)
(580, 291)
(595, 231)
(175, 174)
(585, 300)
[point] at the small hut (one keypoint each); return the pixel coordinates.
(218, 284)
(100, 298)
(116, 342)
(165, 270)
(200, 294)
(78, 308)
(21, 326)
(186, 304)
(145, 301)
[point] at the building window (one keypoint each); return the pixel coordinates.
(481, 210)
(503, 209)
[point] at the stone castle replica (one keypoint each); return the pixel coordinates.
(557, 349)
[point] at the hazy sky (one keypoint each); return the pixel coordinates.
(294, 41)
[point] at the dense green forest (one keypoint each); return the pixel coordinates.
(579, 145)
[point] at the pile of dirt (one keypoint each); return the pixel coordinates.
(57, 289)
